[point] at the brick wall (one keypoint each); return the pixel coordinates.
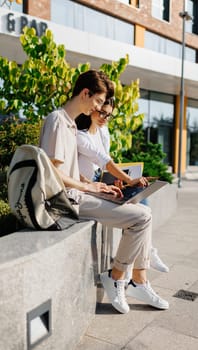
(38, 8)
(142, 16)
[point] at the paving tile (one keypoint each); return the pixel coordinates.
(158, 338)
(179, 277)
(118, 329)
(145, 328)
(89, 343)
(182, 318)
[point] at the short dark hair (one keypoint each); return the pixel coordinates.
(83, 121)
(95, 81)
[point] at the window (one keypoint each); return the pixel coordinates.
(161, 9)
(168, 47)
(192, 9)
(16, 5)
(74, 15)
(135, 3)
(127, 2)
(158, 109)
(192, 132)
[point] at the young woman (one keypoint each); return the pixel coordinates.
(93, 141)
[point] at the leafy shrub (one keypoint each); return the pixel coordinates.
(152, 156)
(8, 222)
(14, 133)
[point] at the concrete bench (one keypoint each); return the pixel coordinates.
(48, 280)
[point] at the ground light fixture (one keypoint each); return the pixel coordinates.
(39, 324)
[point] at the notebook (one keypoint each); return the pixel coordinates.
(131, 194)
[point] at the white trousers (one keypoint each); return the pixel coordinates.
(136, 222)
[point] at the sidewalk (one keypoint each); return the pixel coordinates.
(145, 327)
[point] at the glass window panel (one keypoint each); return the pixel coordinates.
(160, 9)
(15, 7)
(190, 5)
(95, 22)
(144, 108)
(123, 31)
(151, 41)
(166, 10)
(131, 2)
(190, 54)
(62, 13)
(192, 132)
(173, 48)
(125, 1)
(195, 17)
(110, 27)
(192, 115)
(157, 9)
(169, 47)
(158, 122)
(192, 8)
(81, 17)
(161, 107)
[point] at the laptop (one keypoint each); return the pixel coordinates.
(132, 169)
(132, 194)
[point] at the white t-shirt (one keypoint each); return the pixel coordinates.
(93, 151)
(58, 139)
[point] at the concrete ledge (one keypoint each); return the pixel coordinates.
(63, 267)
(38, 266)
(163, 204)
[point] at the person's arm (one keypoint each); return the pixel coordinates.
(84, 179)
(84, 186)
(90, 151)
(104, 161)
(115, 170)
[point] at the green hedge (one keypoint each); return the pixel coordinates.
(13, 133)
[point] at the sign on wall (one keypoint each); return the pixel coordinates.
(14, 22)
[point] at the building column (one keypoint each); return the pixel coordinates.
(139, 35)
(184, 136)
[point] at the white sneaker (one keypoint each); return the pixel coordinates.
(115, 291)
(156, 263)
(145, 293)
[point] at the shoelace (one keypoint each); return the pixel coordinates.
(120, 291)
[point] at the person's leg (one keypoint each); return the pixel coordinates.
(134, 245)
(156, 262)
(134, 219)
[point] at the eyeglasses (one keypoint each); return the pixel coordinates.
(105, 115)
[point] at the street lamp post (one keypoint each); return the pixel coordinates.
(185, 17)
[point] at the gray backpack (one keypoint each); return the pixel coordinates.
(36, 193)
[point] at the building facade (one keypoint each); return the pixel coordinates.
(150, 32)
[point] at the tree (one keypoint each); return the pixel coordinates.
(45, 81)
(42, 83)
(127, 118)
